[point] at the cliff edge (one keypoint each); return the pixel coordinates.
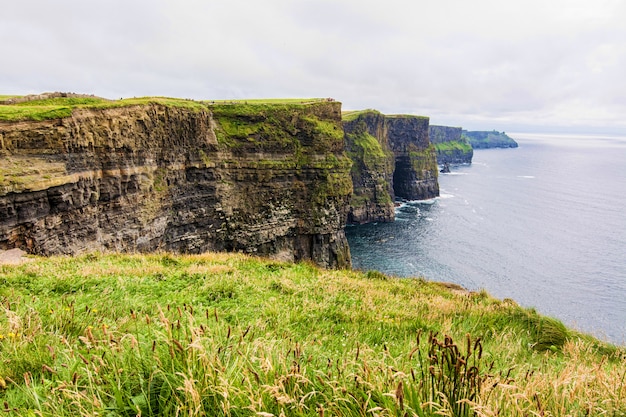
(452, 146)
(392, 158)
(175, 175)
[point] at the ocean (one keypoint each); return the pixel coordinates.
(543, 224)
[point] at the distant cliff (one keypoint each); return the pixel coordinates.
(392, 157)
(267, 179)
(452, 146)
(490, 139)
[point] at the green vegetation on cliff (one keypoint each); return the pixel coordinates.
(423, 160)
(351, 115)
(454, 152)
(372, 167)
(264, 176)
(489, 139)
(230, 335)
(368, 154)
(407, 116)
(278, 125)
(450, 147)
(59, 105)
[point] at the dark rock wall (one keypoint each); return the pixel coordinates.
(392, 157)
(268, 179)
(452, 145)
(372, 169)
(416, 175)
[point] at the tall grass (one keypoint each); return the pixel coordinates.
(229, 335)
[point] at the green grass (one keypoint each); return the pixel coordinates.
(270, 101)
(276, 125)
(230, 335)
(407, 116)
(59, 107)
(367, 145)
(449, 147)
(55, 108)
(351, 115)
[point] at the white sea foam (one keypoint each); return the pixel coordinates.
(525, 176)
(427, 202)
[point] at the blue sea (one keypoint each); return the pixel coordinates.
(543, 224)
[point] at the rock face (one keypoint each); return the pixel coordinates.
(372, 169)
(489, 139)
(264, 179)
(392, 157)
(452, 146)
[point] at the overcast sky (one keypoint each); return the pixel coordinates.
(514, 65)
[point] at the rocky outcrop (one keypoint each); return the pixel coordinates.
(392, 157)
(264, 179)
(489, 139)
(372, 169)
(452, 146)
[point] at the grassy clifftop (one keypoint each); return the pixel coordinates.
(232, 335)
(58, 105)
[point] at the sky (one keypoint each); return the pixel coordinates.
(514, 65)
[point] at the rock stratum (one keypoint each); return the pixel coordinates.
(452, 146)
(267, 179)
(392, 158)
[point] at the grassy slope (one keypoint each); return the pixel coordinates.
(55, 108)
(221, 334)
(350, 115)
(453, 146)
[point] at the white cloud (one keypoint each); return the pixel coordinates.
(484, 63)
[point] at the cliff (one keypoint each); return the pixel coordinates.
(452, 146)
(490, 139)
(162, 174)
(372, 169)
(392, 157)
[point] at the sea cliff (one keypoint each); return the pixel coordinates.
(267, 179)
(392, 158)
(489, 139)
(452, 146)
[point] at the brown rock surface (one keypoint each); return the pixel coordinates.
(392, 157)
(264, 179)
(13, 257)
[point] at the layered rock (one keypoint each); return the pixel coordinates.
(452, 146)
(265, 179)
(392, 157)
(415, 175)
(372, 169)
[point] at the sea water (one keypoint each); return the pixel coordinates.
(543, 224)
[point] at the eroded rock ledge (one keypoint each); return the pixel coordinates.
(393, 158)
(265, 179)
(452, 146)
